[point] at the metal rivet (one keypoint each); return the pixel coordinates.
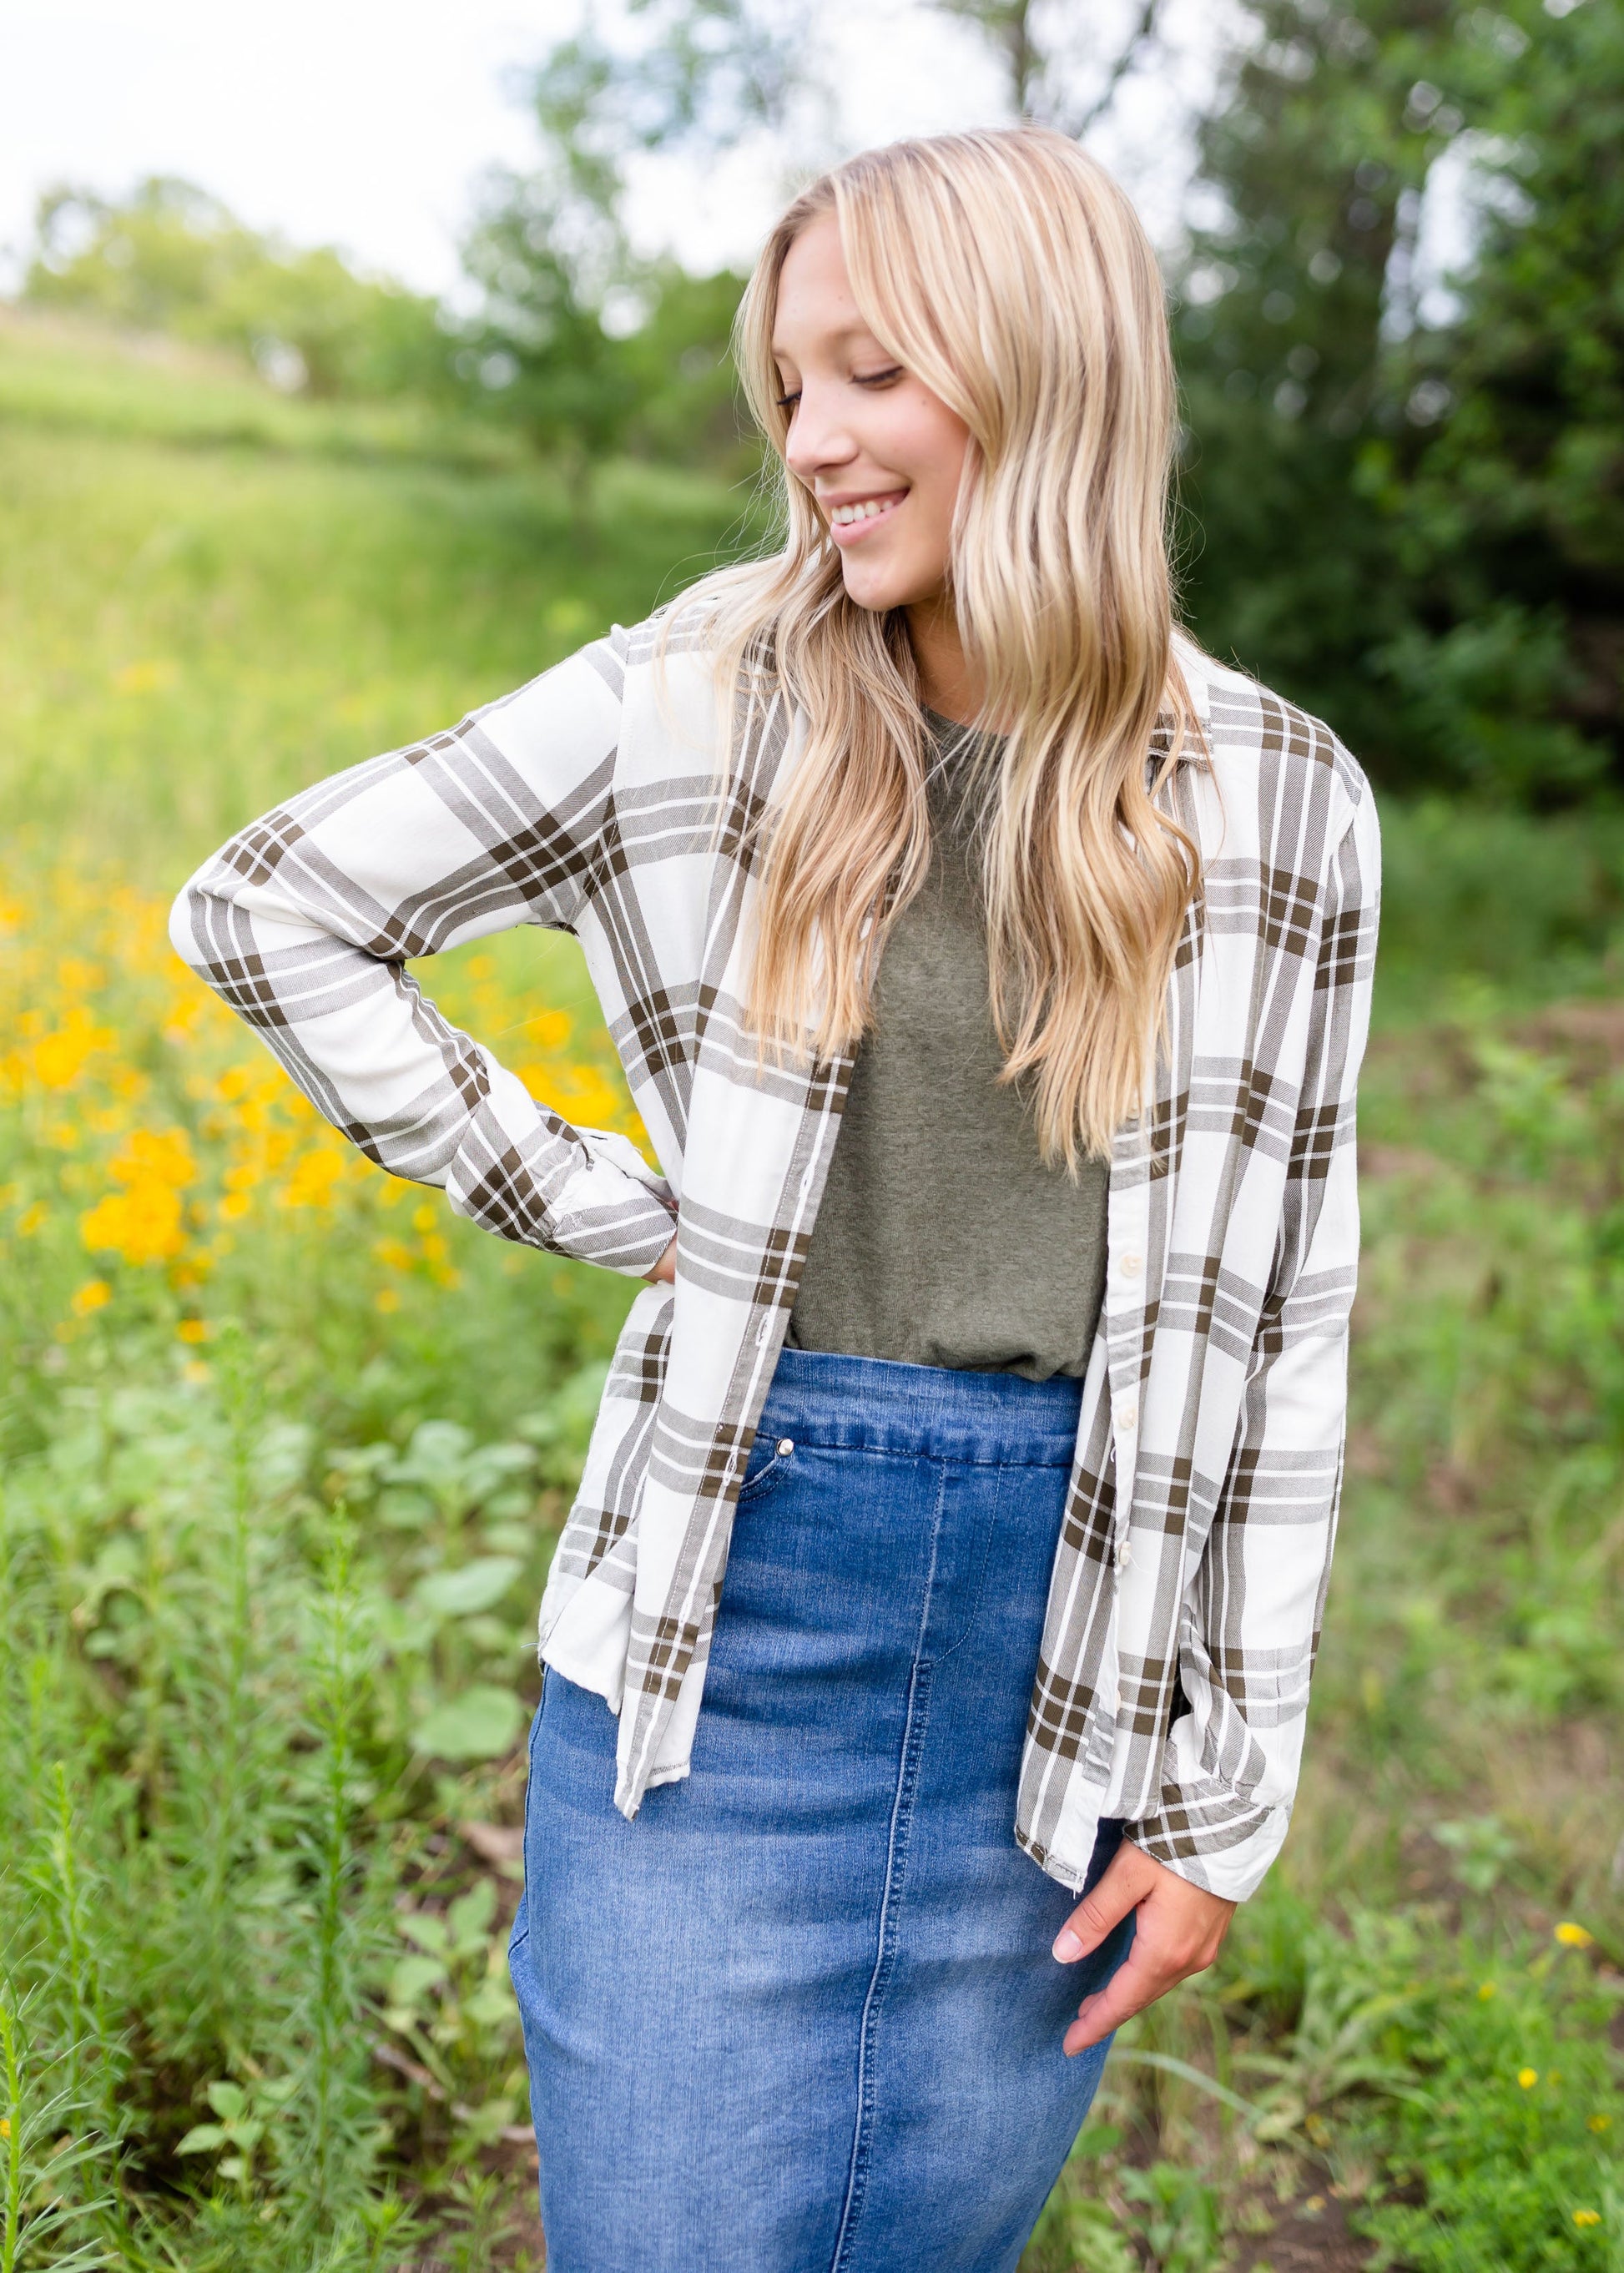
(786, 1446)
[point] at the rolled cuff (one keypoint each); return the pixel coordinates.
(1215, 1839)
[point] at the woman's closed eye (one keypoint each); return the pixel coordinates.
(787, 402)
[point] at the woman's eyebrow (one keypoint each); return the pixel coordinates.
(858, 331)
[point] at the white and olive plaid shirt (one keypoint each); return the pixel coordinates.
(1185, 1602)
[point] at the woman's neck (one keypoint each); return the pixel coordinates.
(948, 683)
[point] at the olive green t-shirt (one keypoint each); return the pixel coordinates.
(943, 1238)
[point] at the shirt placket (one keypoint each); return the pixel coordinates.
(1127, 1236)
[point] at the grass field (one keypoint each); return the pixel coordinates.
(285, 1447)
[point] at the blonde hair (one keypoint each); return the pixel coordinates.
(1006, 270)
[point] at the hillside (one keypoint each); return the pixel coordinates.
(285, 1448)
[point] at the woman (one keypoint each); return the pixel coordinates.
(1020, 1406)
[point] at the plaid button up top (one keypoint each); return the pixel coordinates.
(1185, 1602)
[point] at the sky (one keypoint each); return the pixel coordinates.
(368, 123)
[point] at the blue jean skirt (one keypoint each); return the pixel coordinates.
(801, 2016)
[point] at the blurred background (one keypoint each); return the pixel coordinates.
(356, 364)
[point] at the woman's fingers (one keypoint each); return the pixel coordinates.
(1178, 1930)
(1137, 1981)
(1126, 1880)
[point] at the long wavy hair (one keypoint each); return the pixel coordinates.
(1008, 271)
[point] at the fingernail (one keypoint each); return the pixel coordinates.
(1067, 1947)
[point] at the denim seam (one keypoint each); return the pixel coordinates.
(923, 1451)
(981, 1576)
(890, 1904)
(771, 1471)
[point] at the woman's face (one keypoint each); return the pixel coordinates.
(879, 452)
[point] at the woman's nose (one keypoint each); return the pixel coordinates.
(818, 438)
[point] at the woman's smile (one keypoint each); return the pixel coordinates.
(851, 519)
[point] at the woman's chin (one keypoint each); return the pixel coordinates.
(879, 587)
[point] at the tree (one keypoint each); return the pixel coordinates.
(1401, 518)
(1316, 160)
(170, 258)
(592, 347)
(1049, 53)
(1506, 479)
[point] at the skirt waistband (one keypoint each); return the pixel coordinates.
(873, 1404)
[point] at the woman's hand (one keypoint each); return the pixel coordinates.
(1178, 1931)
(666, 1269)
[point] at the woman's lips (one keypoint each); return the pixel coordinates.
(847, 533)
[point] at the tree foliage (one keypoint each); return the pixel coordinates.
(170, 258)
(1408, 516)
(592, 347)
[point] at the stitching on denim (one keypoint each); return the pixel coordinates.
(770, 1471)
(926, 1451)
(890, 1906)
(988, 1528)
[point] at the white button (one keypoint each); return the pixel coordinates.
(1128, 1414)
(1115, 1700)
(1125, 1555)
(786, 1446)
(1132, 1265)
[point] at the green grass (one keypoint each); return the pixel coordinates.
(192, 623)
(276, 1501)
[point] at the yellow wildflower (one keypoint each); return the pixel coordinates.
(387, 1298)
(93, 1295)
(192, 1329)
(143, 1225)
(1528, 2077)
(1486, 1992)
(162, 1156)
(1600, 2123)
(32, 1219)
(1574, 1937)
(312, 1178)
(1587, 2217)
(58, 1059)
(150, 677)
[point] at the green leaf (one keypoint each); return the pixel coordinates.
(481, 1724)
(228, 2100)
(470, 1917)
(1130, 2056)
(427, 1929)
(476, 1586)
(202, 2138)
(411, 1979)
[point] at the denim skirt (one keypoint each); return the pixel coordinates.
(801, 2016)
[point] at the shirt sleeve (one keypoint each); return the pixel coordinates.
(303, 924)
(1251, 1616)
